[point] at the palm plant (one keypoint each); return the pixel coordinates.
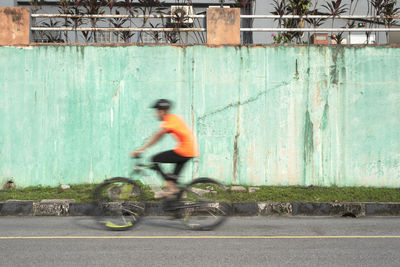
(155, 35)
(335, 8)
(315, 22)
(76, 21)
(119, 23)
(299, 7)
(280, 8)
(148, 7)
(294, 7)
(35, 6)
(93, 7)
(338, 37)
(64, 8)
(390, 10)
(386, 8)
(51, 37)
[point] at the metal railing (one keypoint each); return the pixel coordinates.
(317, 17)
(113, 29)
(119, 29)
(346, 29)
(320, 29)
(275, 29)
(110, 16)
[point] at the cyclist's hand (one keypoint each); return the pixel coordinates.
(136, 153)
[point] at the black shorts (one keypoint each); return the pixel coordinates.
(170, 157)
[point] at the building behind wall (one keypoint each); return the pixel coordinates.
(259, 7)
(199, 8)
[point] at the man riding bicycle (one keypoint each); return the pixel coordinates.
(186, 149)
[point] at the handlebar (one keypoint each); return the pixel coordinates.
(139, 165)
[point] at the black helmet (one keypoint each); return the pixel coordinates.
(162, 104)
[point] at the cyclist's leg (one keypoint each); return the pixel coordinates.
(163, 157)
(179, 166)
(170, 157)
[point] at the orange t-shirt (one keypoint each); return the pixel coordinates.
(187, 145)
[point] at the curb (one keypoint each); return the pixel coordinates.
(16, 207)
(382, 209)
(68, 207)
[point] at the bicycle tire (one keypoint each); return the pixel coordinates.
(117, 203)
(200, 211)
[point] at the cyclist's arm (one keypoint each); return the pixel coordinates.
(154, 139)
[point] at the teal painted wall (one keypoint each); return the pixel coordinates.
(263, 115)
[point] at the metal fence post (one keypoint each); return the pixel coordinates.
(223, 26)
(14, 26)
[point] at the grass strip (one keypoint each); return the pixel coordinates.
(82, 193)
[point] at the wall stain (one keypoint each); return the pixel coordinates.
(333, 68)
(324, 120)
(235, 159)
(225, 17)
(16, 15)
(297, 70)
(324, 135)
(236, 148)
(308, 145)
(116, 92)
(80, 49)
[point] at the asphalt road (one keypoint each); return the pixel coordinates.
(242, 241)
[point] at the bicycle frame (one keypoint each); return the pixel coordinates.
(197, 211)
(140, 168)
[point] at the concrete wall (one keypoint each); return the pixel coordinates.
(263, 115)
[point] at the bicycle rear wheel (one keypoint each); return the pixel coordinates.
(202, 208)
(117, 203)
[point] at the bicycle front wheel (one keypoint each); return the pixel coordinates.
(117, 203)
(203, 208)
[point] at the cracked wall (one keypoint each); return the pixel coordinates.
(263, 115)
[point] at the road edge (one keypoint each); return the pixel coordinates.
(66, 207)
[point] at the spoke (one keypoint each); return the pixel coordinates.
(212, 214)
(129, 211)
(139, 207)
(199, 204)
(217, 208)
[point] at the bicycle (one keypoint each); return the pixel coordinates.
(119, 202)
